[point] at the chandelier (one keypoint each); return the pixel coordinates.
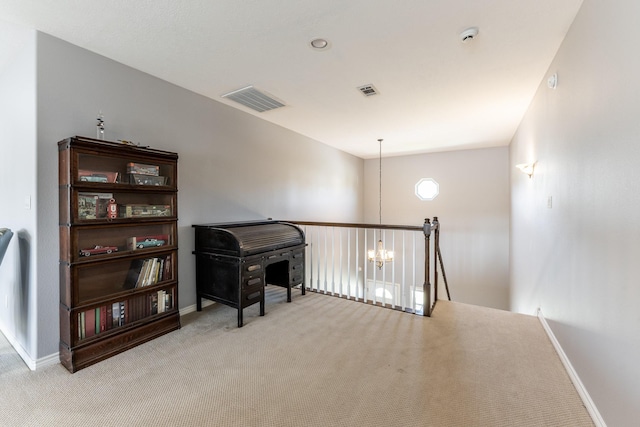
(380, 255)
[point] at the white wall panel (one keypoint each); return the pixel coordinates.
(473, 209)
(578, 260)
(232, 165)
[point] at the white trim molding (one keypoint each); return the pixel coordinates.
(193, 307)
(575, 379)
(31, 364)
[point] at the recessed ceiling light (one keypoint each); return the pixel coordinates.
(319, 44)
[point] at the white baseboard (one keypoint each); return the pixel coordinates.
(52, 359)
(192, 308)
(31, 364)
(580, 388)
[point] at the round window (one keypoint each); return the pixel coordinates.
(427, 189)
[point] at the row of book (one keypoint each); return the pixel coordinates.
(147, 272)
(102, 319)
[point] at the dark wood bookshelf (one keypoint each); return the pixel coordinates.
(118, 248)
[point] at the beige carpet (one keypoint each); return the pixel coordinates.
(318, 361)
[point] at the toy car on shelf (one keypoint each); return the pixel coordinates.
(149, 243)
(97, 250)
(96, 177)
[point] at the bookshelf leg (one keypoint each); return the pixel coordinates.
(198, 303)
(239, 317)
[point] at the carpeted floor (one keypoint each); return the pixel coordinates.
(318, 361)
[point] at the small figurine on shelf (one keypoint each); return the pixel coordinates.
(98, 250)
(112, 209)
(100, 126)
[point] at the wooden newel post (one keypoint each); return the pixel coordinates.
(426, 287)
(436, 253)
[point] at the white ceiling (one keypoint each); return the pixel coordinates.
(435, 92)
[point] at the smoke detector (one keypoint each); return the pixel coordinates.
(469, 34)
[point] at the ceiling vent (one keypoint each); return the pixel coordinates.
(368, 90)
(254, 99)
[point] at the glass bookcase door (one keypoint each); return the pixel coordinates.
(118, 247)
(97, 242)
(97, 281)
(103, 318)
(101, 169)
(107, 206)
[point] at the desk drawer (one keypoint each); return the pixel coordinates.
(252, 267)
(251, 296)
(248, 282)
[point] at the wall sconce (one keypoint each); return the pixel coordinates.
(526, 168)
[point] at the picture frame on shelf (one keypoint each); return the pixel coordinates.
(94, 205)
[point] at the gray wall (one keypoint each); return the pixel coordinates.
(579, 260)
(473, 208)
(232, 166)
(18, 317)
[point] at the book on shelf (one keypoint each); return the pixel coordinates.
(148, 271)
(133, 275)
(118, 317)
(81, 325)
(146, 280)
(90, 323)
(167, 268)
(103, 318)
(162, 301)
(167, 300)
(124, 315)
(153, 300)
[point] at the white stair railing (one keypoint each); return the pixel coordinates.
(337, 264)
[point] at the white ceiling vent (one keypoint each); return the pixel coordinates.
(254, 99)
(368, 90)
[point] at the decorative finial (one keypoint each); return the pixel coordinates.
(100, 126)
